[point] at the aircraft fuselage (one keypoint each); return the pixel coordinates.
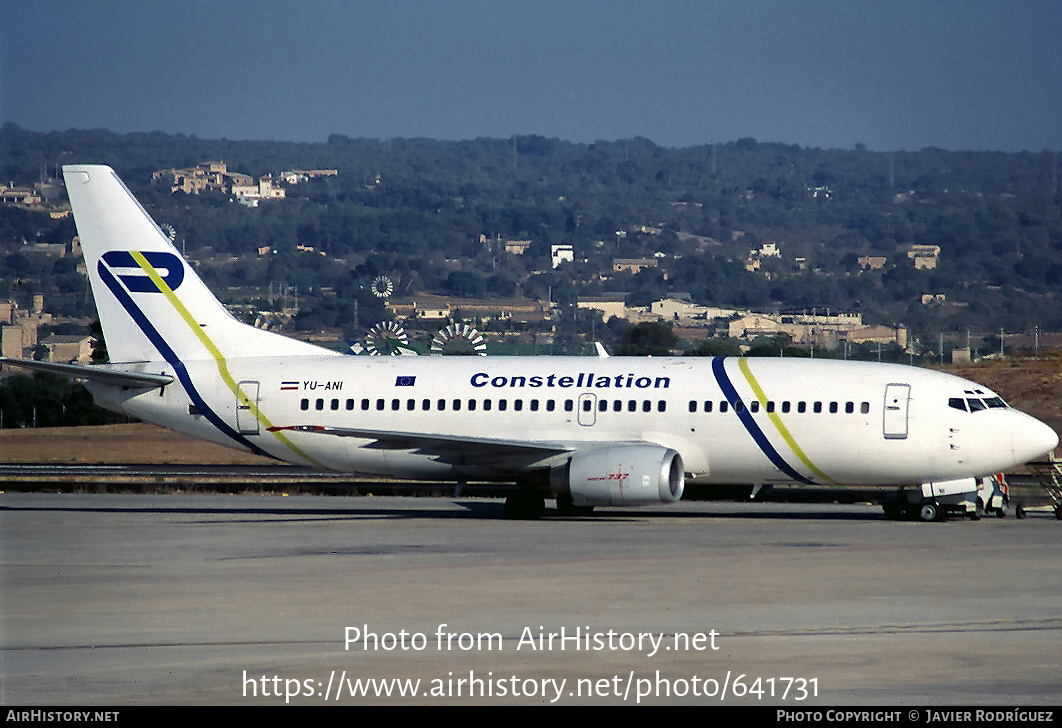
(732, 420)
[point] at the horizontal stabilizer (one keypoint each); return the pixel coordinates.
(102, 373)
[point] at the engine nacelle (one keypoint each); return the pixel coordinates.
(621, 475)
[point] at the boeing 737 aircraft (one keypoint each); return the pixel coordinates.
(586, 431)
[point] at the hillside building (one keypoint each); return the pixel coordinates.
(633, 265)
(608, 305)
(561, 254)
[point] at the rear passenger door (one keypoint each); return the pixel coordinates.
(246, 405)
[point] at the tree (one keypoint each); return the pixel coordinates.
(650, 338)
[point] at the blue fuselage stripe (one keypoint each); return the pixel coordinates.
(742, 411)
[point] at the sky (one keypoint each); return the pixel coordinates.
(889, 74)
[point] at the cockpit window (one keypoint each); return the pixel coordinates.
(973, 404)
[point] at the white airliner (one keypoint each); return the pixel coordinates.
(586, 431)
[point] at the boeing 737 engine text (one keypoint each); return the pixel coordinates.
(609, 431)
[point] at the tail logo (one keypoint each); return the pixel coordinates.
(138, 282)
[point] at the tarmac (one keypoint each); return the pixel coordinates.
(114, 600)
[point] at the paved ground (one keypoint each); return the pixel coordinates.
(123, 599)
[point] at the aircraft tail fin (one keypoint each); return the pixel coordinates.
(150, 300)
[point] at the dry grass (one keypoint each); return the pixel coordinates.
(128, 443)
(1031, 385)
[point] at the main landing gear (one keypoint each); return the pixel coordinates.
(566, 506)
(528, 504)
(525, 504)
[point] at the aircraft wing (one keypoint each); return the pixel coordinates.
(102, 373)
(458, 449)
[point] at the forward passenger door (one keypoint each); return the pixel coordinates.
(897, 401)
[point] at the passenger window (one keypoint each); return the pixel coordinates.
(441, 405)
(708, 406)
(569, 405)
(518, 404)
(304, 404)
(350, 404)
(785, 407)
(486, 405)
(833, 408)
(770, 406)
(754, 406)
(471, 405)
(425, 404)
(632, 405)
(647, 406)
(602, 405)
(802, 407)
(365, 404)
(864, 408)
(457, 405)
(534, 405)
(503, 404)
(817, 407)
(724, 406)
(617, 405)
(335, 404)
(661, 406)
(550, 405)
(693, 406)
(849, 408)
(319, 404)
(380, 404)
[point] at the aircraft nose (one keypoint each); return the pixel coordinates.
(1034, 439)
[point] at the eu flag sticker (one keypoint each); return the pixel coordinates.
(405, 381)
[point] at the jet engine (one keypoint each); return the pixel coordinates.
(621, 475)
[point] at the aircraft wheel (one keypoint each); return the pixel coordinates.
(525, 505)
(566, 507)
(928, 512)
